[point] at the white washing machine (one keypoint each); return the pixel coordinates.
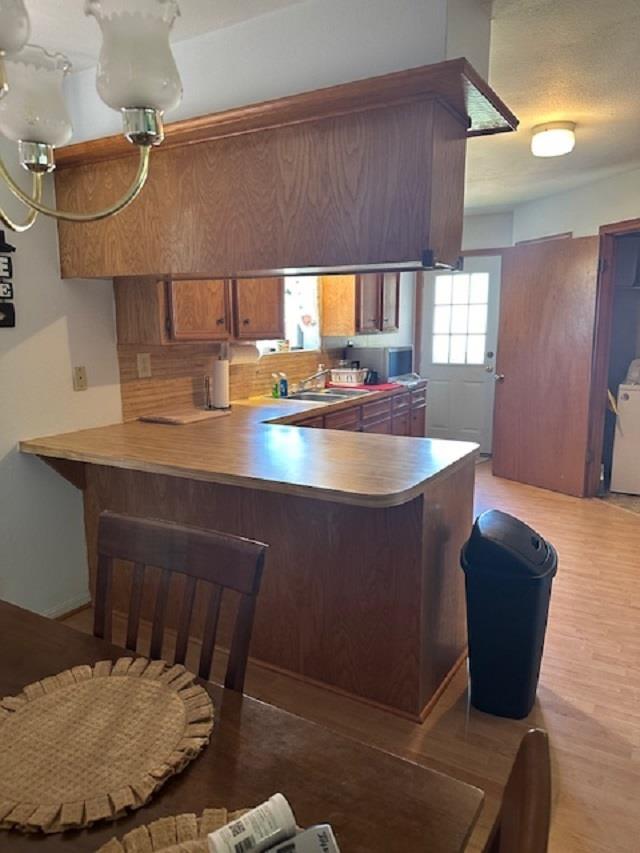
(625, 474)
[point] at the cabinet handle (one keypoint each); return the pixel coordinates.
(246, 321)
(220, 321)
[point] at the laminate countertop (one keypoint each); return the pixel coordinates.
(254, 447)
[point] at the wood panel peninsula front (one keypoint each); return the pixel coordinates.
(362, 591)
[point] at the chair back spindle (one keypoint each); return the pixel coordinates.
(218, 560)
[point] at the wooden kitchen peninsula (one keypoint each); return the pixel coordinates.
(362, 590)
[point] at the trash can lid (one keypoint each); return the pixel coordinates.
(504, 545)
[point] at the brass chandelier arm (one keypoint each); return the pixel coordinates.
(132, 193)
(20, 227)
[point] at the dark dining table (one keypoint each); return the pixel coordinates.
(375, 801)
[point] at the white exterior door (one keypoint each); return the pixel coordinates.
(459, 340)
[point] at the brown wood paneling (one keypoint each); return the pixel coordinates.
(199, 309)
(324, 560)
(545, 350)
(258, 308)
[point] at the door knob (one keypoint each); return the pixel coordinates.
(499, 377)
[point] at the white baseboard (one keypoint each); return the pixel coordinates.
(68, 606)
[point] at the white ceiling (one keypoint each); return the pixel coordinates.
(574, 60)
(62, 25)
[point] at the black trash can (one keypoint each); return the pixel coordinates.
(508, 570)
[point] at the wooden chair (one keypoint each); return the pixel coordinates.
(221, 560)
(525, 813)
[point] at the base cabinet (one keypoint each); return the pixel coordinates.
(419, 422)
(403, 413)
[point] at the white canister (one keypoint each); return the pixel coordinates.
(257, 830)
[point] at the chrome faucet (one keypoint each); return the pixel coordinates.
(322, 371)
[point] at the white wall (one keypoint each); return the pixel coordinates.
(469, 32)
(59, 324)
(582, 210)
(299, 48)
(487, 231)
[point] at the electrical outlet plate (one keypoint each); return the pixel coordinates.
(144, 365)
(80, 382)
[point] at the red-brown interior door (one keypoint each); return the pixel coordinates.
(545, 348)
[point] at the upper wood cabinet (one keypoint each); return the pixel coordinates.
(199, 310)
(368, 304)
(258, 308)
(364, 304)
(164, 312)
(360, 175)
(390, 302)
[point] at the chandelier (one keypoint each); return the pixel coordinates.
(136, 75)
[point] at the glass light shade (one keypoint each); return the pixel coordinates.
(553, 139)
(14, 26)
(33, 110)
(136, 67)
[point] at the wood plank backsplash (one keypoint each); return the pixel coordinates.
(178, 373)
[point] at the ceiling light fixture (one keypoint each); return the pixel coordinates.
(553, 139)
(137, 75)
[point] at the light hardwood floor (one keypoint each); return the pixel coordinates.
(589, 694)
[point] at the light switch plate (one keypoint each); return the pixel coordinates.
(80, 382)
(144, 365)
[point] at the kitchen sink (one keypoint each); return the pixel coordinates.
(317, 397)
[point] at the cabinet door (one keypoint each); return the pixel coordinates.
(390, 301)
(402, 423)
(258, 305)
(369, 303)
(419, 422)
(199, 310)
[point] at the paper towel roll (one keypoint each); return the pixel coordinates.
(220, 384)
(243, 353)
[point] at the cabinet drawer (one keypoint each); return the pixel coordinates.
(383, 426)
(418, 398)
(375, 411)
(314, 423)
(348, 419)
(401, 402)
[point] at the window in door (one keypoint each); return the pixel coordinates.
(460, 318)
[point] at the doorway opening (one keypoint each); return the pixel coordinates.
(458, 349)
(620, 460)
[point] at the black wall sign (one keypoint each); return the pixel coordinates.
(7, 315)
(7, 309)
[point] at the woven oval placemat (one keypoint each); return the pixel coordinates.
(94, 741)
(184, 833)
